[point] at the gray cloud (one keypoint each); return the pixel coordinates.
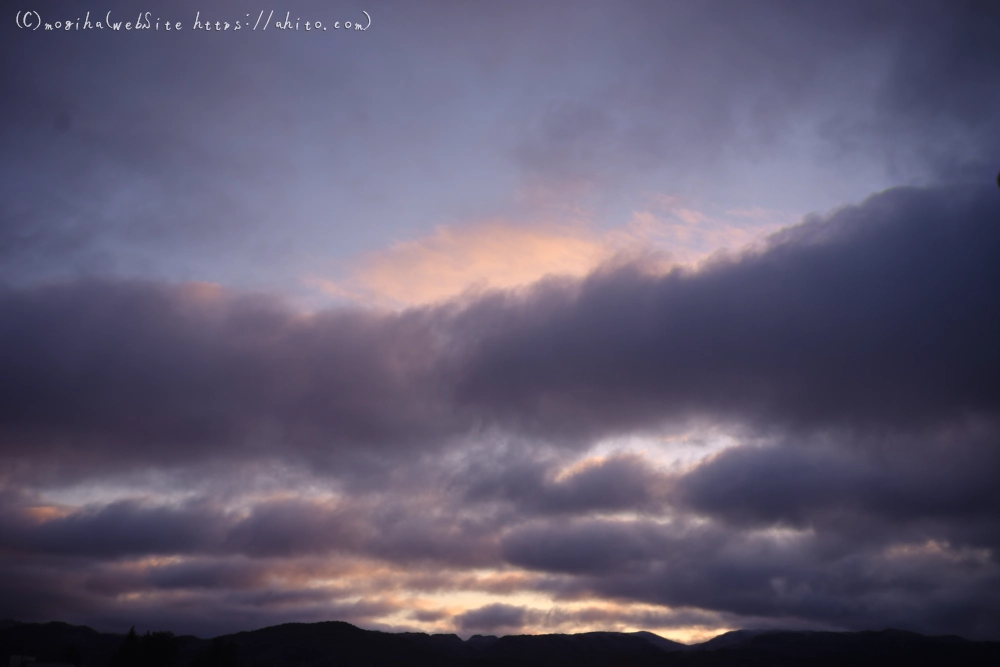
(880, 317)
(108, 373)
(853, 356)
(121, 528)
(492, 618)
(383, 528)
(921, 585)
(119, 174)
(910, 91)
(617, 483)
(945, 480)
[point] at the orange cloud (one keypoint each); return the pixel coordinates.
(456, 260)
(45, 513)
(453, 260)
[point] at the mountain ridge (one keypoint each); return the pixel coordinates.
(341, 644)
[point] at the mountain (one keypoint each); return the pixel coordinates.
(733, 638)
(56, 642)
(776, 648)
(338, 644)
(657, 640)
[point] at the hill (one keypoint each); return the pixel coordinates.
(338, 644)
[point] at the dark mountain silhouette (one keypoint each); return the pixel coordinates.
(337, 644)
(481, 641)
(735, 637)
(657, 640)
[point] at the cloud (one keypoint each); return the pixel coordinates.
(109, 373)
(465, 261)
(878, 317)
(139, 184)
(933, 107)
(624, 482)
(852, 356)
(383, 528)
(453, 260)
(917, 585)
(582, 547)
(937, 478)
(486, 450)
(859, 82)
(502, 618)
(122, 528)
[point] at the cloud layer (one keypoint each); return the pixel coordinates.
(450, 448)
(571, 388)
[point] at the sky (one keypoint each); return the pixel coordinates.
(501, 318)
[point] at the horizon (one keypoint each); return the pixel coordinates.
(487, 318)
(141, 631)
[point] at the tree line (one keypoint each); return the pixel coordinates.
(162, 649)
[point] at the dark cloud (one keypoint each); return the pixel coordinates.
(618, 483)
(205, 612)
(854, 354)
(107, 373)
(121, 528)
(231, 574)
(194, 156)
(881, 317)
(908, 89)
(936, 103)
(292, 528)
(381, 528)
(587, 547)
(330, 463)
(948, 481)
(120, 174)
(491, 618)
(499, 619)
(923, 585)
